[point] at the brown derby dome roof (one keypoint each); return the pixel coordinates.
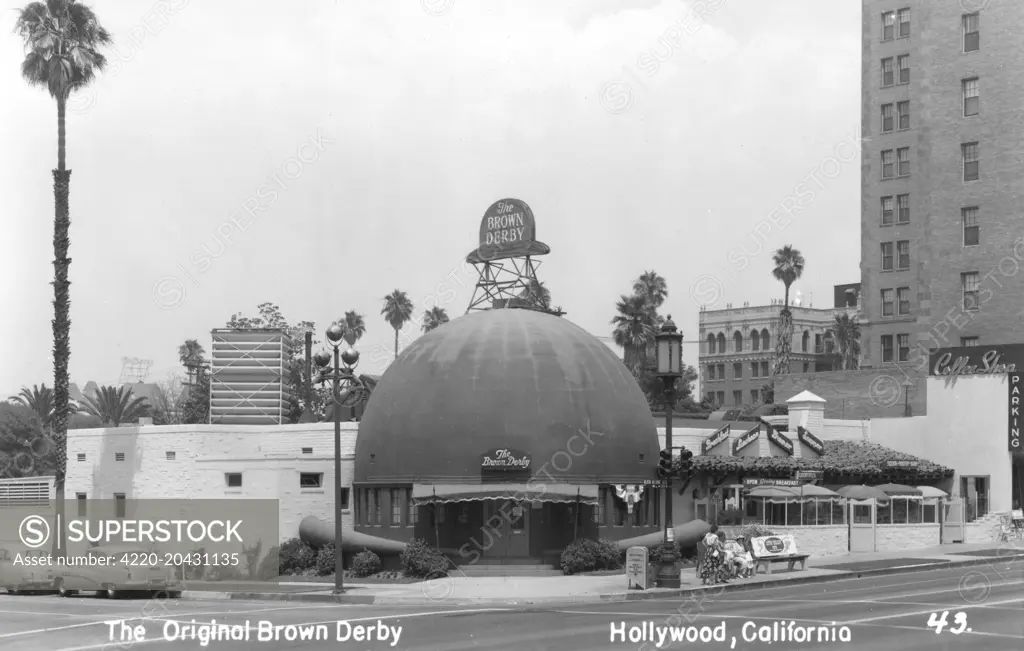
(506, 378)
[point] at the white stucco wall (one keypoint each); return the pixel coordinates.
(270, 459)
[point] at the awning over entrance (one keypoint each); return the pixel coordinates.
(448, 493)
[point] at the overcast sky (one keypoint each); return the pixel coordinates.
(412, 117)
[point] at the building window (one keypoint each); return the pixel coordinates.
(764, 369)
(737, 340)
(903, 161)
(765, 342)
(720, 398)
(968, 342)
(737, 397)
(903, 347)
(754, 369)
(364, 505)
(903, 63)
(887, 167)
(903, 209)
(805, 341)
(721, 371)
(311, 480)
(887, 302)
(886, 348)
(887, 256)
(307, 450)
(711, 344)
(969, 283)
(904, 21)
(171, 455)
(81, 456)
(344, 499)
(970, 157)
(711, 372)
(755, 340)
(887, 124)
(721, 343)
(970, 220)
(972, 35)
(81, 498)
(233, 479)
(376, 506)
(886, 211)
(887, 72)
(737, 371)
(413, 511)
(119, 456)
(396, 507)
(598, 512)
(903, 113)
(903, 301)
(971, 96)
(711, 397)
(755, 396)
(903, 254)
(120, 505)
(888, 25)
(807, 367)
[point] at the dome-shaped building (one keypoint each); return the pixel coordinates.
(502, 434)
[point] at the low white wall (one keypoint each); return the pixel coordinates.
(831, 540)
(906, 537)
(270, 459)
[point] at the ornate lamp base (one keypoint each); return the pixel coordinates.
(668, 570)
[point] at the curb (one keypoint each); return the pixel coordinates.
(840, 575)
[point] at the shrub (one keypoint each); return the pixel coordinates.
(756, 531)
(269, 567)
(325, 560)
(365, 563)
(421, 560)
(729, 517)
(609, 557)
(586, 555)
(296, 557)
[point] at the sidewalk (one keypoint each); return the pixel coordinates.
(460, 590)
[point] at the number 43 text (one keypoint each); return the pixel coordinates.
(939, 622)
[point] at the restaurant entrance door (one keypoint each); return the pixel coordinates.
(862, 525)
(509, 524)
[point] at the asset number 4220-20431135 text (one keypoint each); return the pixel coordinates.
(195, 558)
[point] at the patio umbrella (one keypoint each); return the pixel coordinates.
(928, 492)
(773, 493)
(863, 492)
(812, 490)
(899, 490)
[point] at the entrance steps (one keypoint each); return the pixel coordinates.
(517, 569)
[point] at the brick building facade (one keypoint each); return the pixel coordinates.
(943, 125)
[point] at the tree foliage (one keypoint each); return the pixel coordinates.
(116, 405)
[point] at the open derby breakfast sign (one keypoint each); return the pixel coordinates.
(1014, 382)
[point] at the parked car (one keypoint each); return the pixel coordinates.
(114, 571)
(32, 574)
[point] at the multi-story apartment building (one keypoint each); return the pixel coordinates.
(942, 172)
(737, 349)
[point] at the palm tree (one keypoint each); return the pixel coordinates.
(537, 294)
(191, 355)
(116, 405)
(789, 266)
(434, 318)
(39, 399)
(354, 326)
(397, 312)
(652, 287)
(634, 329)
(61, 38)
(845, 335)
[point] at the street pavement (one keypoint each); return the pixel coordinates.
(985, 606)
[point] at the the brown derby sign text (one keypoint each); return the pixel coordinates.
(505, 459)
(508, 227)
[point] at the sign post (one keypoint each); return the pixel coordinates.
(636, 568)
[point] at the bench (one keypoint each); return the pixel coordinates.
(766, 562)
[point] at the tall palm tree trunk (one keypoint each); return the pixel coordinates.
(61, 321)
(784, 340)
(396, 343)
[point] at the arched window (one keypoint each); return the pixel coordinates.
(806, 341)
(738, 341)
(766, 343)
(755, 340)
(711, 344)
(721, 342)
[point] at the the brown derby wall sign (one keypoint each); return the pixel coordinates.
(810, 440)
(780, 441)
(505, 459)
(746, 440)
(1014, 442)
(716, 439)
(976, 360)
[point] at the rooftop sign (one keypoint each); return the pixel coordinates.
(976, 360)
(508, 230)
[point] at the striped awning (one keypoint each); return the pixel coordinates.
(448, 493)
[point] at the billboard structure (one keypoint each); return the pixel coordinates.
(249, 382)
(505, 260)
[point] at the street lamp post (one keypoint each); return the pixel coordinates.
(906, 396)
(337, 373)
(669, 352)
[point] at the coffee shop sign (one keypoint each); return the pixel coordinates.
(990, 365)
(506, 459)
